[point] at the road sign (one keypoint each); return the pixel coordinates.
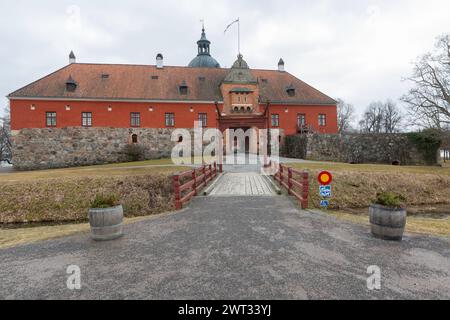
(325, 191)
(324, 203)
(325, 178)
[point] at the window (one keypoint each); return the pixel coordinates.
(203, 119)
(291, 92)
(86, 119)
(301, 120)
(275, 120)
(135, 119)
(183, 91)
(183, 88)
(134, 138)
(322, 120)
(51, 119)
(170, 120)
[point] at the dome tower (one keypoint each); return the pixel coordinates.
(204, 59)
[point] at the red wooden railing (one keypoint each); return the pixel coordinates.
(193, 182)
(296, 182)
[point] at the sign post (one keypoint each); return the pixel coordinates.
(325, 192)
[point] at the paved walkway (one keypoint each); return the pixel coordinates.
(243, 184)
(231, 248)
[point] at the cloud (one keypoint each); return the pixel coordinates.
(355, 50)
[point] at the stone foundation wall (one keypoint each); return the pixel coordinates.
(68, 147)
(364, 148)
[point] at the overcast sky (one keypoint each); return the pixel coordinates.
(356, 50)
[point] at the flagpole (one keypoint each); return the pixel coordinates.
(239, 36)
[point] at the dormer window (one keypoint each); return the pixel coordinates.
(291, 91)
(71, 84)
(105, 76)
(183, 88)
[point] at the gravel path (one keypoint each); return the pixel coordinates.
(231, 248)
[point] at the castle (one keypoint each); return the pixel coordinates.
(87, 114)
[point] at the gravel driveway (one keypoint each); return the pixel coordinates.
(231, 248)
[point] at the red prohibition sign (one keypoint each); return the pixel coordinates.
(325, 178)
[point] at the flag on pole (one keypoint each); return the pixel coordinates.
(228, 27)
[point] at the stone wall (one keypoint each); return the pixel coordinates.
(74, 146)
(364, 148)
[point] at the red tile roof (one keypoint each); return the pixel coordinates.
(140, 82)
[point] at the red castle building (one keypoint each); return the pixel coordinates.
(83, 96)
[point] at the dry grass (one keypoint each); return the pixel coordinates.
(121, 169)
(421, 225)
(65, 195)
(337, 166)
(355, 186)
(15, 237)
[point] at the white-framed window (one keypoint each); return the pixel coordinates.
(50, 119)
(275, 120)
(135, 119)
(301, 120)
(170, 120)
(86, 119)
(322, 120)
(203, 119)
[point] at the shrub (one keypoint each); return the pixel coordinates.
(428, 143)
(101, 201)
(134, 152)
(390, 199)
(295, 146)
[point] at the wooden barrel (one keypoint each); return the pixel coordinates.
(387, 223)
(106, 224)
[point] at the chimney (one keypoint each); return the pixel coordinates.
(281, 65)
(159, 61)
(72, 58)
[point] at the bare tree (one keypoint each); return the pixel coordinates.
(345, 115)
(5, 136)
(381, 117)
(372, 120)
(391, 117)
(429, 99)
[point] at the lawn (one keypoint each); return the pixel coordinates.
(64, 195)
(19, 236)
(427, 190)
(422, 225)
(355, 186)
(336, 166)
(129, 168)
